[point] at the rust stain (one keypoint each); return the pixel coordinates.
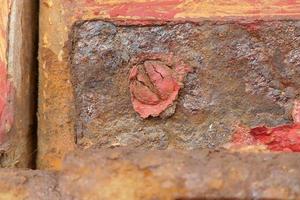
(5, 87)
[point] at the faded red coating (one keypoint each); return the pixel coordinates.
(3, 97)
(296, 111)
(155, 81)
(6, 114)
(282, 138)
(252, 27)
(3, 86)
(182, 9)
(157, 9)
(165, 9)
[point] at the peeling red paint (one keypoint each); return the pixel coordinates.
(282, 138)
(182, 9)
(5, 109)
(155, 81)
(3, 86)
(6, 113)
(296, 111)
(285, 3)
(157, 9)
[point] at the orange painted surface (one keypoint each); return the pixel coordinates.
(5, 113)
(184, 9)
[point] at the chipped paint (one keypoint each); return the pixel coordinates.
(155, 81)
(163, 10)
(183, 9)
(282, 138)
(5, 88)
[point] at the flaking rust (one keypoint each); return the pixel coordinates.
(155, 81)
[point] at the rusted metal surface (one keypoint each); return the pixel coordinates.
(28, 184)
(243, 74)
(166, 175)
(56, 99)
(132, 174)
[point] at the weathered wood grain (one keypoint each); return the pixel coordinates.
(18, 27)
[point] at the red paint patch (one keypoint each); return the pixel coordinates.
(286, 3)
(281, 138)
(155, 81)
(3, 86)
(154, 9)
(90, 2)
(166, 9)
(6, 118)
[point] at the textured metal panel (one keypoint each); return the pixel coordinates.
(243, 73)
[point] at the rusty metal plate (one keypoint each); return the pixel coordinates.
(240, 74)
(123, 173)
